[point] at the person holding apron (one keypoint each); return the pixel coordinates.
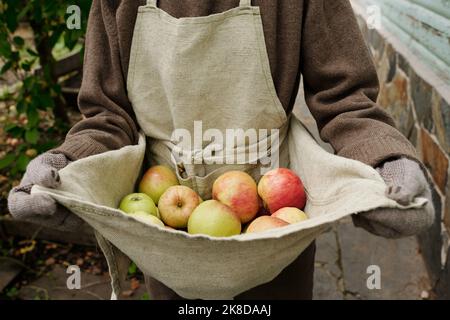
(215, 70)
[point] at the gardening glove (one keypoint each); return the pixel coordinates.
(406, 181)
(40, 208)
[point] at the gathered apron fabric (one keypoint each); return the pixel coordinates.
(211, 73)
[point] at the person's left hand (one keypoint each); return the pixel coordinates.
(405, 181)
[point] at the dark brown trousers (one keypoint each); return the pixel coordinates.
(295, 282)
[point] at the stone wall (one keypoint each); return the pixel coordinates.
(422, 113)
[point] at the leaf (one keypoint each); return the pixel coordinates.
(5, 49)
(33, 117)
(132, 269)
(11, 18)
(14, 130)
(22, 162)
(45, 101)
(32, 136)
(24, 11)
(32, 52)
(26, 66)
(18, 41)
(21, 106)
(6, 67)
(7, 160)
(145, 296)
(46, 146)
(134, 284)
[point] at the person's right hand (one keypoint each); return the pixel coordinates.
(41, 208)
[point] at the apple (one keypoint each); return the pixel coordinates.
(215, 219)
(239, 191)
(290, 215)
(280, 188)
(156, 181)
(176, 206)
(264, 223)
(147, 218)
(136, 202)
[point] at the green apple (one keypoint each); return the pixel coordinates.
(147, 218)
(214, 219)
(156, 181)
(138, 202)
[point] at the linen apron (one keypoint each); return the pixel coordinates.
(212, 69)
(211, 72)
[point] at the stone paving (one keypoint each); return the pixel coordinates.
(345, 253)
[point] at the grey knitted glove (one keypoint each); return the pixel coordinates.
(42, 209)
(406, 181)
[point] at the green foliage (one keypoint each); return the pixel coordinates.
(132, 269)
(33, 65)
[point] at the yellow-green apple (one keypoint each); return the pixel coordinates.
(215, 219)
(176, 206)
(147, 218)
(156, 181)
(290, 215)
(138, 202)
(264, 223)
(237, 190)
(280, 188)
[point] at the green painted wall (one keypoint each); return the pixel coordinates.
(422, 25)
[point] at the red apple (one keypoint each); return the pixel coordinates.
(237, 190)
(176, 206)
(290, 215)
(214, 219)
(264, 223)
(156, 181)
(281, 188)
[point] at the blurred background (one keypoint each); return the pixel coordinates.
(40, 73)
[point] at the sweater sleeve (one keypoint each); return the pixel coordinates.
(341, 86)
(108, 120)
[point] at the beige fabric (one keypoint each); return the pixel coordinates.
(178, 69)
(204, 267)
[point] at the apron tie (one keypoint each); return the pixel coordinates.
(152, 3)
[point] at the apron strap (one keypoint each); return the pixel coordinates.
(242, 3)
(152, 3)
(245, 3)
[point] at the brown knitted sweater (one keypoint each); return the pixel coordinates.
(316, 39)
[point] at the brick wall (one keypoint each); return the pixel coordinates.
(413, 96)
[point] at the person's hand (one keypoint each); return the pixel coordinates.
(41, 208)
(406, 181)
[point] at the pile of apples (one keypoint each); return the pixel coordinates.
(238, 203)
